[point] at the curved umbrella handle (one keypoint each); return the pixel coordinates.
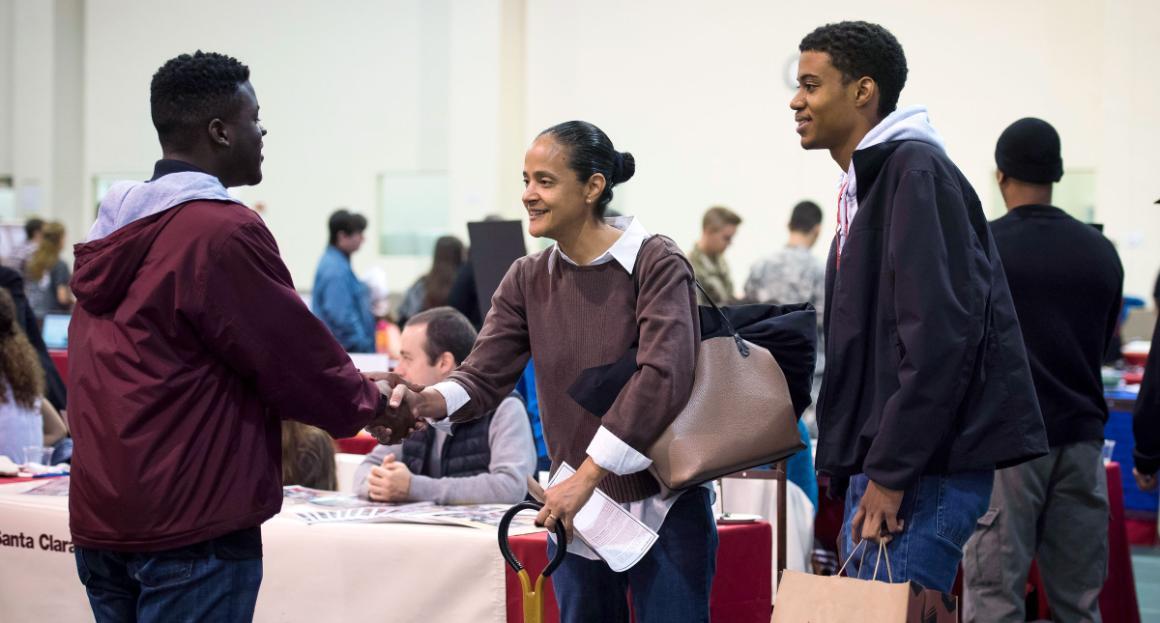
(505, 546)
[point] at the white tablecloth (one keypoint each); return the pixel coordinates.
(313, 573)
(759, 497)
(345, 467)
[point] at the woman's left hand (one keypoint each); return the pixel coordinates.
(563, 501)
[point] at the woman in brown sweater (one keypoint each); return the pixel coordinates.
(575, 306)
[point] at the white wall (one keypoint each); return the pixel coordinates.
(696, 91)
(67, 178)
(348, 91)
(40, 119)
(6, 28)
(32, 81)
(1128, 130)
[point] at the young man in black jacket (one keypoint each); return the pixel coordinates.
(1066, 280)
(927, 389)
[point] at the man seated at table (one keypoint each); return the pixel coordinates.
(480, 462)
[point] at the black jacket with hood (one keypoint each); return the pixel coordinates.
(926, 370)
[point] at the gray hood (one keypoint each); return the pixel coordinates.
(127, 202)
(905, 124)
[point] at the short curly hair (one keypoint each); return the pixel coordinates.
(190, 90)
(860, 49)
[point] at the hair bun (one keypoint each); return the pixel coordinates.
(625, 167)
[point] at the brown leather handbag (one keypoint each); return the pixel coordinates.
(752, 381)
(739, 415)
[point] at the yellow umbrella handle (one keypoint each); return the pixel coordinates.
(533, 596)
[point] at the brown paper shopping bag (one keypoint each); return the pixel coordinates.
(806, 598)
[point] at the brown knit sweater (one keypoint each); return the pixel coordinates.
(577, 317)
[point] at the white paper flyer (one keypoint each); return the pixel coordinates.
(609, 530)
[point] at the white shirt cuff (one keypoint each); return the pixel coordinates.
(453, 394)
(616, 456)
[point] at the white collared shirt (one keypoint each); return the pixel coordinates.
(623, 251)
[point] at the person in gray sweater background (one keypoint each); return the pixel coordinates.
(485, 461)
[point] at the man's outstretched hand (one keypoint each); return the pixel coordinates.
(426, 403)
(395, 422)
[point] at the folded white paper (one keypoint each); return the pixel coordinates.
(620, 539)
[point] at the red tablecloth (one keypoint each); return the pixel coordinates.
(362, 443)
(742, 589)
(1118, 599)
(1142, 531)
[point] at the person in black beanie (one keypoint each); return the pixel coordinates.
(1066, 280)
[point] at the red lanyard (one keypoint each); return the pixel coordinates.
(843, 227)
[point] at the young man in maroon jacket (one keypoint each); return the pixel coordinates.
(188, 347)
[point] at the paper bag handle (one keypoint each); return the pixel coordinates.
(882, 552)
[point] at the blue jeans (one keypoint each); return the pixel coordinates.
(126, 587)
(939, 512)
(670, 584)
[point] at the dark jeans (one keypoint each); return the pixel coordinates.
(939, 514)
(126, 587)
(670, 584)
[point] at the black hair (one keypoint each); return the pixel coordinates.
(860, 49)
(346, 222)
(590, 151)
(448, 331)
(449, 256)
(805, 217)
(189, 91)
(32, 227)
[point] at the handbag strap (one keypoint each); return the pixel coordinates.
(742, 347)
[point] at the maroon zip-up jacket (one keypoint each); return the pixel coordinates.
(187, 348)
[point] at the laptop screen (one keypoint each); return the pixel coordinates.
(55, 331)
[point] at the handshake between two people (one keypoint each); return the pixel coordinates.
(409, 408)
